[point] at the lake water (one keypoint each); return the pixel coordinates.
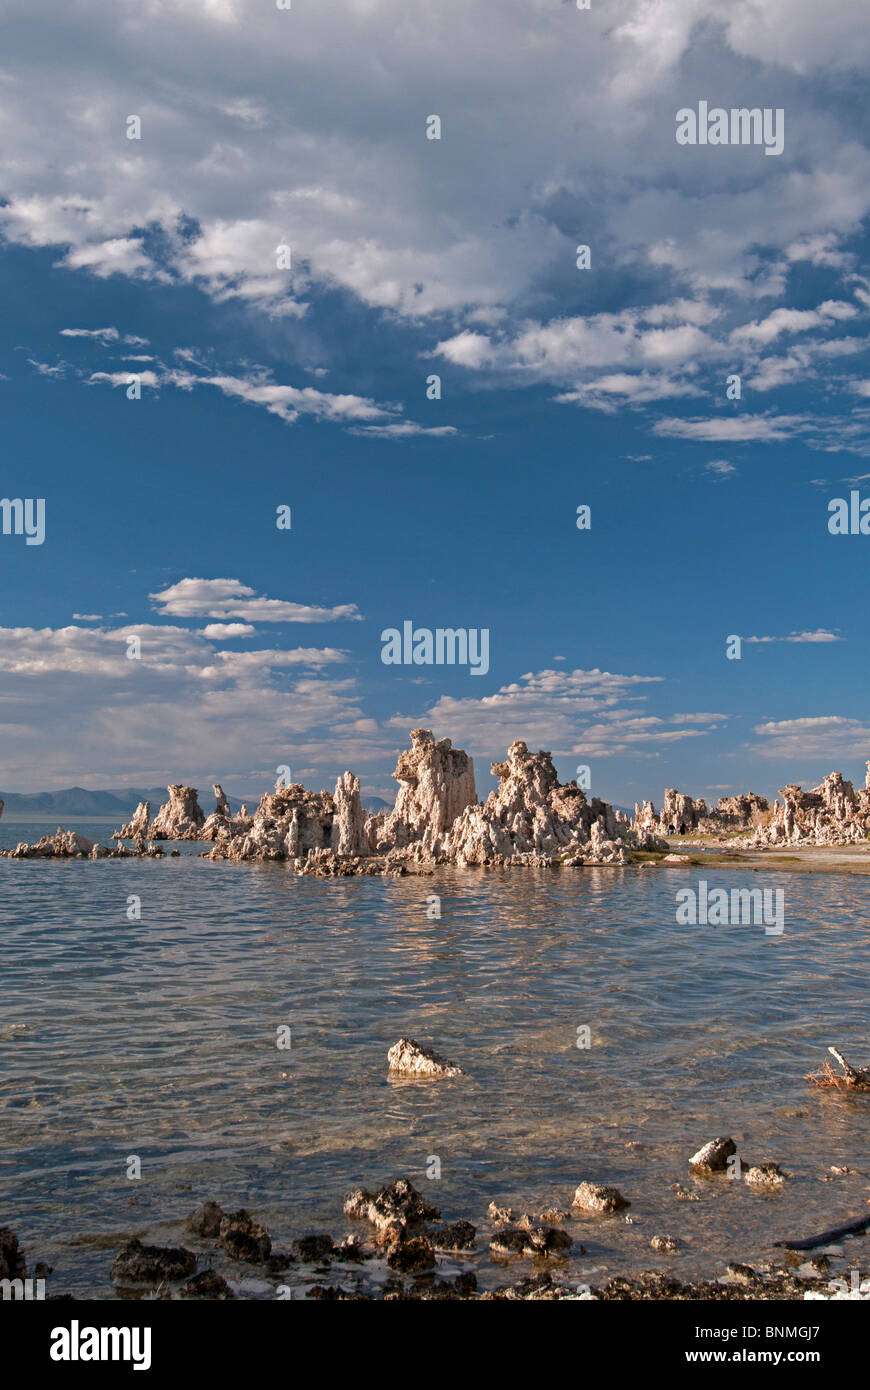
(157, 1037)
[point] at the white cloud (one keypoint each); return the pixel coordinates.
(821, 736)
(230, 598)
(732, 428)
(792, 321)
(76, 708)
(819, 635)
(223, 632)
(568, 712)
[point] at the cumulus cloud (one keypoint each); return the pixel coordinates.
(222, 632)
(568, 712)
(467, 236)
(76, 707)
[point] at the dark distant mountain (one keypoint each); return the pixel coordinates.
(117, 801)
(375, 804)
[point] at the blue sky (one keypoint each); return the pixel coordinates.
(307, 387)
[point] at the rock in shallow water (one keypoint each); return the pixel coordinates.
(207, 1284)
(12, 1263)
(766, 1175)
(410, 1059)
(399, 1204)
(243, 1239)
(713, 1156)
(593, 1196)
(666, 1245)
(152, 1264)
(458, 1235)
(313, 1247)
(205, 1220)
(412, 1255)
(530, 1240)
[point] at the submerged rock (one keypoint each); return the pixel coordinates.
(410, 1059)
(597, 1197)
(766, 1175)
(152, 1264)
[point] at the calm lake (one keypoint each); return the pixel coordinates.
(157, 1037)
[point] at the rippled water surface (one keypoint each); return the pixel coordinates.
(158, 1038)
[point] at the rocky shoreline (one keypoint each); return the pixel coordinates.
(401, 1249)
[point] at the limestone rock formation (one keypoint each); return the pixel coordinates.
(832, 813)
(222, 823)
(63, 844)
(741, 811)
(289, 823)
(436, 784)
(138, 825)
(181, 817)
(348, 834)
(532, 818)
(679, 814)
(683, 815)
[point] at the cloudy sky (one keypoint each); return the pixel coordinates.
(283, 259)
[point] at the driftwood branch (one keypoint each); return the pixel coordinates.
(827, 1237)
(851, 1079)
